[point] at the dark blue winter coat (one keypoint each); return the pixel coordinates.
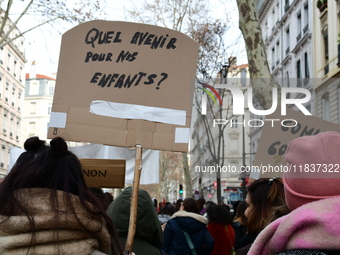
(195, 225)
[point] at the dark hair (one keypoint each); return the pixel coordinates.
(55, 168)
(219, 214)
(239, 216)
(266, 195)
(168, 210)
(191, 205)
(178, 204)
(105, 199)
(201, 202)
(32, 146)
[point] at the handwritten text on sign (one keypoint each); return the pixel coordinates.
(116, 80)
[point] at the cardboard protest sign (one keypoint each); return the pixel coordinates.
(104, 173)
(275, 138)
(123, 84)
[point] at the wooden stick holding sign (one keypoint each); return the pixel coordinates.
(134, 200)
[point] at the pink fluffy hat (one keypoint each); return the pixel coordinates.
(313, 169)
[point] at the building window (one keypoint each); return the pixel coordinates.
(273, 58)
(17, 129)
(273, 18)
(287, 40)
(33, 108)
(305, 13)
(325, 40)
(234, 145)
(325, 107)
(7, 91)
(1, 87)
(2, 156)
(20, 73)
(32, 129)
(19, 99)
(49, 108)
(277, 11)
(243, 77)
(277, 53)
(298, 26)
(306, 66)
(4, 122)
(51, 89)
(286, 5)
(34, 88)
(234, 123)
(287, 84)
(9, 62)
(15, 68)
(298, 73)
(13, 95)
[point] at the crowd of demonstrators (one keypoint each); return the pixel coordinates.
(187, 232)
(240, 223)
(313, 225)
(46, 207)
(220, 227)
(265, 203)
(148, 238)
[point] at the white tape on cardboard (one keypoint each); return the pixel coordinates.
(182, 135)
(131, 111)
(58, 119)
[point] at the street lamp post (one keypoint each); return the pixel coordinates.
(224, 74)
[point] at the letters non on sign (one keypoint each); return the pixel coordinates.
(95, 173)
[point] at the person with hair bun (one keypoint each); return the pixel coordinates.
(187, 224)
(46, 207)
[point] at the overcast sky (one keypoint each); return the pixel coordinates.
(43, 44)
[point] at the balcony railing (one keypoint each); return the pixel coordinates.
(286, 7)
(305, 29)
(298, 37)
(326, 69)
(287, 50)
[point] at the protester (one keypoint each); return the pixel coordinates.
(187, 226)
(201, 202)
(104, 198)
(313, 195)
(265, 203)
(148, 238)
(204, 211)
(178, 204)
(46, 208)
(164, 215)
(220, 228)
(240, 223)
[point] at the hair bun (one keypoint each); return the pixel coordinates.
(33, 144)
(58, 146)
